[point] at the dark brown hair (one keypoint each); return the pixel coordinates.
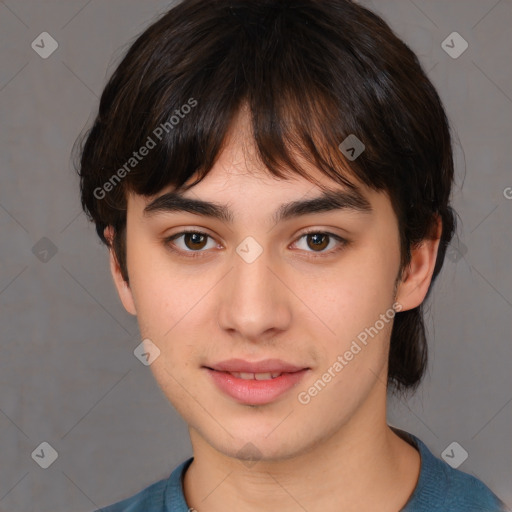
(311, 72)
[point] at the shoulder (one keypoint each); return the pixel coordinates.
(441, 488)
(150, 499)
(158, 497)
(466, 492)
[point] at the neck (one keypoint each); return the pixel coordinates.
(362, 466)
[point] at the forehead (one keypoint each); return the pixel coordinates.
(239, 182)
(239, 162)
(251, 201)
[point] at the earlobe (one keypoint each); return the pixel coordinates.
(417, 276)
(123, 288)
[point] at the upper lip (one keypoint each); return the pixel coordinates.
(264, 366)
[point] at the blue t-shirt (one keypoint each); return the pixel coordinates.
(440, 488)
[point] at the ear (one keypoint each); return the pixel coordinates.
(123, 288)
(417, 276)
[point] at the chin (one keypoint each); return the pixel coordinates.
(250, 449)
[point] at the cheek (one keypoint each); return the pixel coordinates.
(353, 295)
(170, 307)
(160, 293)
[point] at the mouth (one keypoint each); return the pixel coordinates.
(255, 387)
(254, 376)
(241, 366)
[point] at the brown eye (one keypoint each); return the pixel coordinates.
(195, 241)
(189, 243)
(319, 241)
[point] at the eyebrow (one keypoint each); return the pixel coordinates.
(330, 200)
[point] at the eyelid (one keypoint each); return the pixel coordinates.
(342, 242)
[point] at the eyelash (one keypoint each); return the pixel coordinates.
(343, 243)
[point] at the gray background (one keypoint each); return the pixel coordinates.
(68, 375)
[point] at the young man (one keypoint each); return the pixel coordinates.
(273, 181)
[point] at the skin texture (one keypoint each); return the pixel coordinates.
(335, 453)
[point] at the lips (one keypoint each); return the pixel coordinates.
(255, 383)
(272, 366)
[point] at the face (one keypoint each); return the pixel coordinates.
(303, 291)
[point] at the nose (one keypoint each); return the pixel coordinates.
(255, 301)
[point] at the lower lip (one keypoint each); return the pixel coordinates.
(255, 392)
